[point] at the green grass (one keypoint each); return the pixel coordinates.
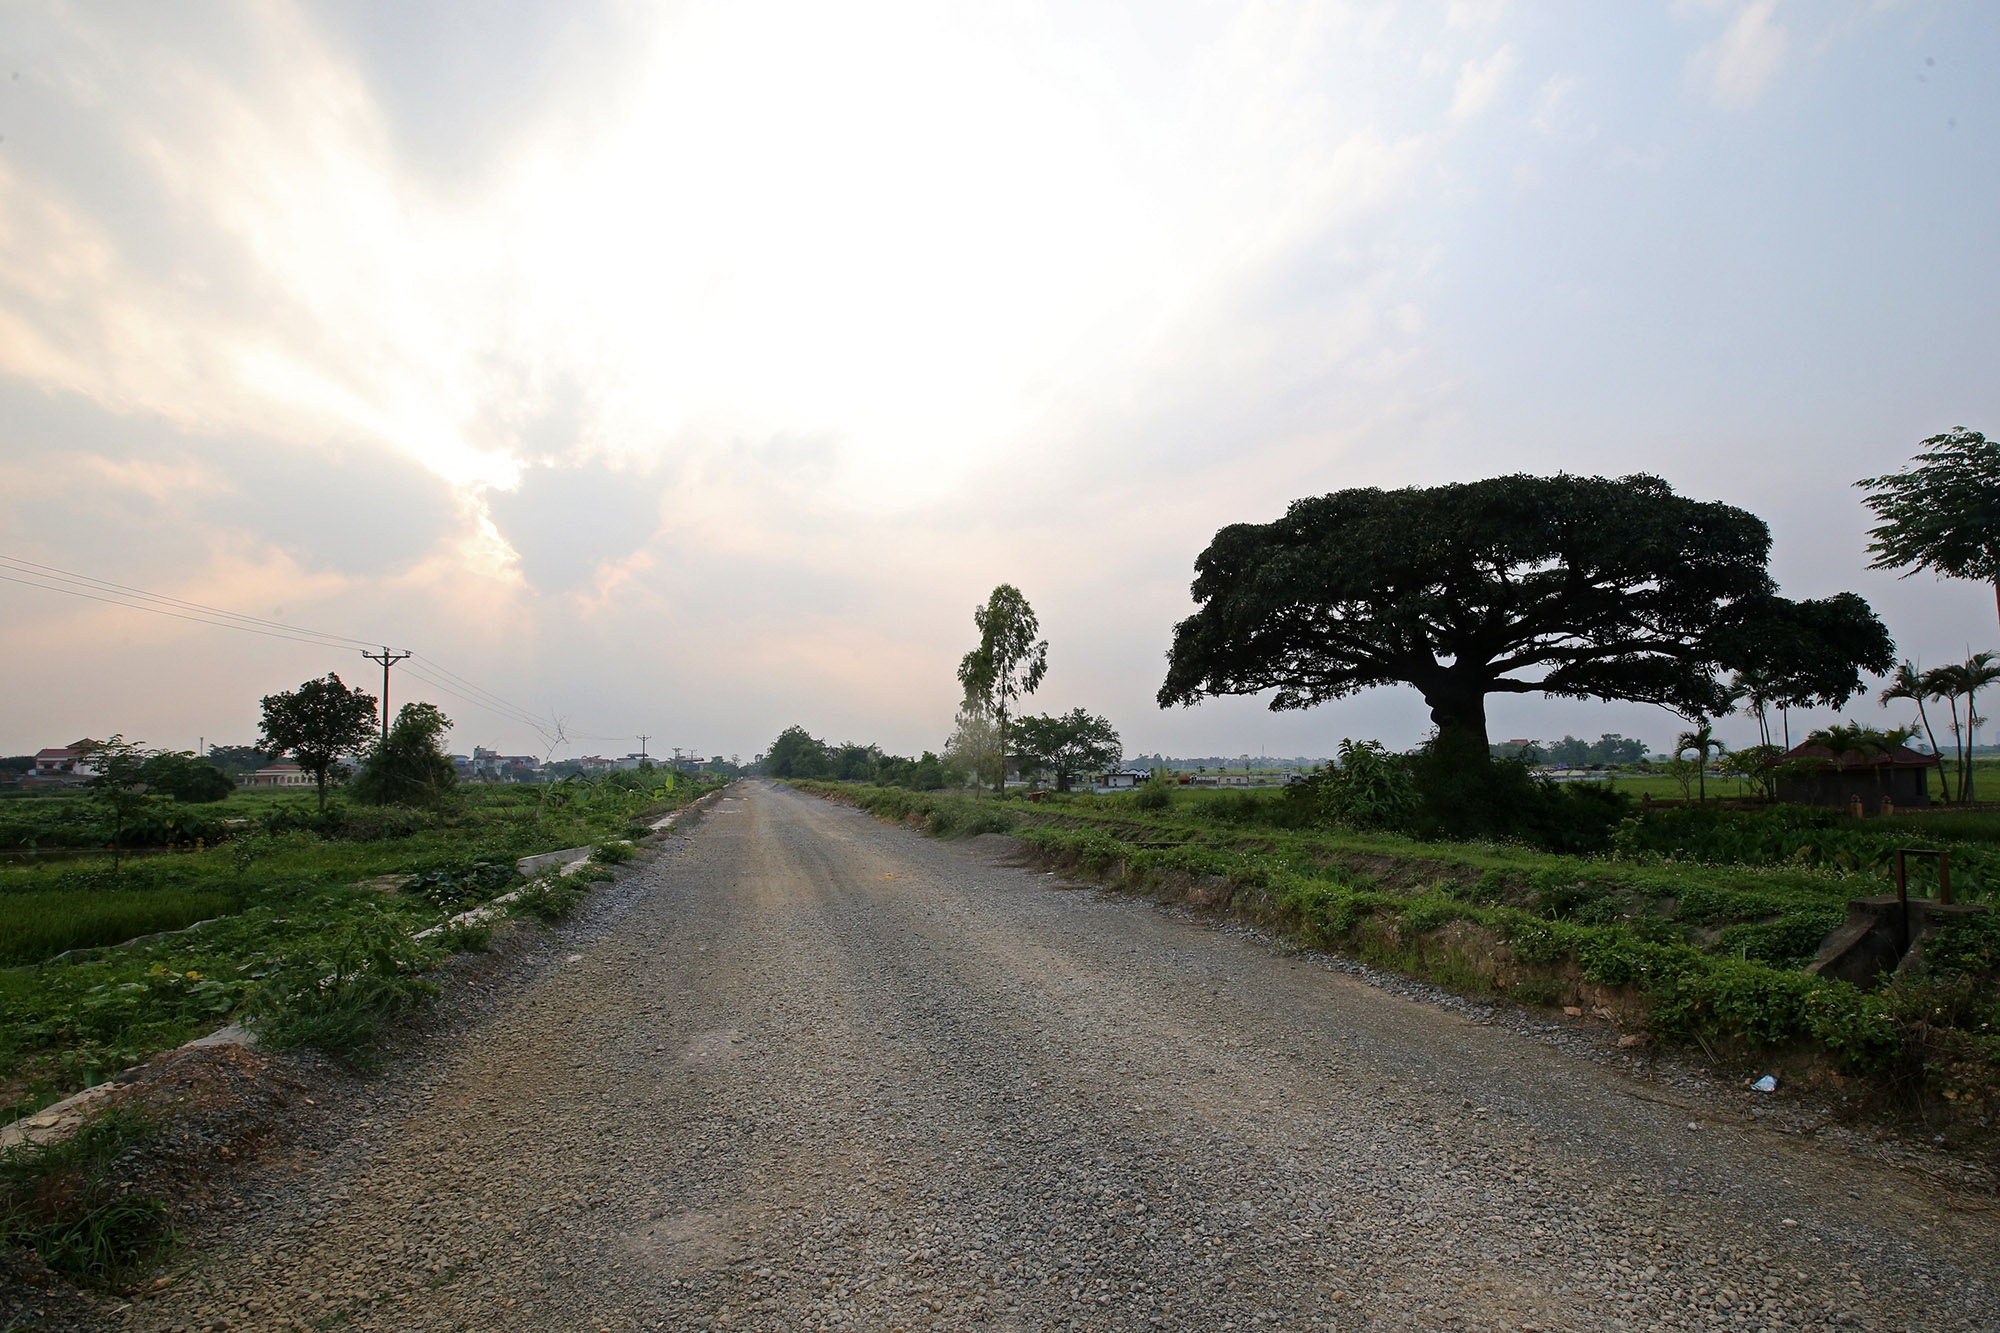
(64, 1200)
(40, 924)
(291, 905)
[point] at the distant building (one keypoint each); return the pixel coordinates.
(63, 764)
(277, 775)
(1123, 779)
(492, 766)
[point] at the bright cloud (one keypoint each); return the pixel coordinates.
(1740, 64)
(721, 360)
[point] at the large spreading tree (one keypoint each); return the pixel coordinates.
(1008, 663)
(1068, 744)
(1581, 587)
(316, 725)
(1943, 514)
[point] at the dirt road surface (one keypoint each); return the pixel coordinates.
(809, 1071)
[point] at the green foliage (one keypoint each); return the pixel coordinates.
(1153, 795)
(457, 887)
(65, 1026)
(1369, 788)
(118, 791)
(612, 853)
(338, 990)
(39, 925)
(797, 753)
(66, 1200)
(1066, 745)
(1463, 794)
(316, 724)
(191, 781)
(409, 766)
(1009, 661)
(1943, 514)
(1362, 587)
(549, 898)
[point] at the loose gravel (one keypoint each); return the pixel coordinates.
(807, 1071)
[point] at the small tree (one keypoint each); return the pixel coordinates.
(118, 790)
(1008, 663)
(1070, 744)
(1702, 740)
(974, 747)
(316, 724)
(1943, 514)
(409, 765)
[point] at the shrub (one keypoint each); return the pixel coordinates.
(1153, 795)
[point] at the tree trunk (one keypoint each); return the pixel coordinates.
(1460, 717)
(320, 776)
(1000, 778)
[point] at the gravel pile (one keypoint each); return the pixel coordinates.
(806, 1071)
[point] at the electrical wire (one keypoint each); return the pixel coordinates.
(50, 578)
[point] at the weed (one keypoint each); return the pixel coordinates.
(613, 853)
(65, 1201)
(466, 937)
(548, 898)
(339, 992)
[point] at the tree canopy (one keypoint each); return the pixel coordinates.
(316, 724)
(409, 766)
(1943, 514)
(1580, 587)
(1009, 661)
(185, 778)
(1075, 742)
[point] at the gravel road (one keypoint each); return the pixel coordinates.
(810, 1071)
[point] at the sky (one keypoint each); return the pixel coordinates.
(694, 370)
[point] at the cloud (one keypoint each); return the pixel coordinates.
(1479, 82)
(568, 524)
(1739, 65)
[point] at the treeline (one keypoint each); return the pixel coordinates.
(1606, 751)
(797, 753)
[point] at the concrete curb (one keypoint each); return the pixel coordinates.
(60, 1119)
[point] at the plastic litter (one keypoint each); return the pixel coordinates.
(1768, 1083)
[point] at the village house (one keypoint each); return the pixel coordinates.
(1900, 776)
(64, 764)
(277, 775)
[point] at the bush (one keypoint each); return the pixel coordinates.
(1153, 795)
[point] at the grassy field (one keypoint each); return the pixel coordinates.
(1696, 929)
(292, 893)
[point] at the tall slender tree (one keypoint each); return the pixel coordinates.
(1009, 662)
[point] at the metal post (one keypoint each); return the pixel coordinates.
(387, 659)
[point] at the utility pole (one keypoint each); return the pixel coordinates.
(387, 659)
(643, 738)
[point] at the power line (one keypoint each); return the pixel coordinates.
(317, 642)
(86, 581)
(50, 578)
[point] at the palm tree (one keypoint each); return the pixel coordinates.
(1979, 671)
(1702, 738)
(1907, 683)
(1760, 689)
(1945, 683)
